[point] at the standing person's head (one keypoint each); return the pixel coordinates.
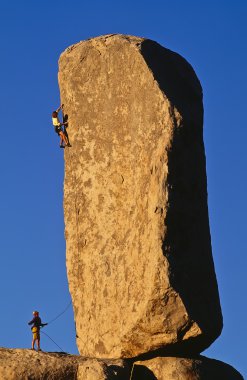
(54, 114)
(35, 313)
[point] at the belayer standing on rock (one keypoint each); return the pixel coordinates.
(36, 322)
(58, 128)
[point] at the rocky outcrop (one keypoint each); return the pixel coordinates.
(23, 364)
(171, 368)
(138, 248)
(19, 364)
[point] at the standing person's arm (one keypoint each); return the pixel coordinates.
(42, 324)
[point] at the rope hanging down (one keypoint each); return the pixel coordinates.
(74, 185)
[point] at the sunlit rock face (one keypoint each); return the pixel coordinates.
(23, 364)
(138, 247)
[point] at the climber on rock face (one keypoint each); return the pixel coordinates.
(58, 128)
(36, 322)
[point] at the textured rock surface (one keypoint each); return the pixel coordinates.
(138, 248)
(19, 364)
(171, 368)
(23, 364)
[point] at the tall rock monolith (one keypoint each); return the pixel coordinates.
(138, 247)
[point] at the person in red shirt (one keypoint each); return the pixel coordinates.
(36, 322)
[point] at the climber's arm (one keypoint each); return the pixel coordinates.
(59, 108)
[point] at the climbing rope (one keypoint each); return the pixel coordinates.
(53, 320)
(60, 314)
(76, 212)
(131, 374)
(69, 154)
(52, 340)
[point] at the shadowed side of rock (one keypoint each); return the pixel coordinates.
(138, 247)
(171, 368)
(187, 242)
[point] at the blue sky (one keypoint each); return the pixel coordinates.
(211, 35)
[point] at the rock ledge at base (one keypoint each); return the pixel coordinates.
(23, 364)
(171, 368)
